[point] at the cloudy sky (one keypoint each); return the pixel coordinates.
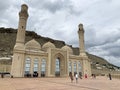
(59, 19)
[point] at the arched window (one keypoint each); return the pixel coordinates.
(27, 65)
(79, 67)
(43, 68)
(75, 67)
(35, 65)
(80, 70)
(57, 68)
(70, 66)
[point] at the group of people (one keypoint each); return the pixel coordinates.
(93, 76)
(72, 78)
(76, 76)
(85, 76)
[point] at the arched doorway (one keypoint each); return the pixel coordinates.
(59, 65)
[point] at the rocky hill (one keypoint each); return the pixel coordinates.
(8, 38)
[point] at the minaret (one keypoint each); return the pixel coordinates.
(23, 16)
(86, 68)
(81, 40)
(17, 67)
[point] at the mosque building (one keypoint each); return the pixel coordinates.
(46, 61)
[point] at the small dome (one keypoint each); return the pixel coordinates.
(67, 48)
(33, 44)
(48, 45)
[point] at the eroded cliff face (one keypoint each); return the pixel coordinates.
(8, 39)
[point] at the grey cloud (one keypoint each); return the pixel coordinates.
(90, 36)
(57, 5)
(112, 48)
(48, 5)
(114, 51)
(75, 12)
(54, 6)
(8, 14)
(59, 33)
(103, 40)
(4, 5)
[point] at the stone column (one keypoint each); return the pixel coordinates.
(17, 64)
(77, 67)
(66, 64)
(31, 65)
(72, 67)
(39, 69)
(49, 62)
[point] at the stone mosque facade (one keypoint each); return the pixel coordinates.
(46, 60)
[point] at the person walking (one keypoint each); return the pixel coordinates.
(2, 75)
(76, 76)
(71, 76)
(85, 75)
(80, 75)
(110, 76)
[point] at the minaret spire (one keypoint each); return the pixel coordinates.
(81, 40)
(19, 48)
(23, 16)
(85, 60)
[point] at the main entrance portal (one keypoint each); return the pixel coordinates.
(59, 65)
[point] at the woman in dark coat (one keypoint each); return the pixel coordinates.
(71, 76)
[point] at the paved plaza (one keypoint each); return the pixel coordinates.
(100, 83)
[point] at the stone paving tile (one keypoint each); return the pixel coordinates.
(100, 83)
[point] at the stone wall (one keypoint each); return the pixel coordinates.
(105, 72)
(5, 68)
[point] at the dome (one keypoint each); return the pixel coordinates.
(67, 48)
(48, 45)
(32, 44)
